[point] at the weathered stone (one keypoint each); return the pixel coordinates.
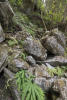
(59, 36)
(22, 35)
(52, 45)
(45, 84)
(34, 48)
(12, 84)
(3, 58)
(16, 64)
(5, 18)
(60, 85)
(49, 66)
(56, 61)
(31, 60)
(41, 71)
(2, 35)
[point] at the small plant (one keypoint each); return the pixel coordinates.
(29, 90)
(55, 71)
(23, 56)
(16, 2)
(12, 42)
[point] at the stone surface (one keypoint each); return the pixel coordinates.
(31, 60)
(3, 57)
(59, 36)
(52, 45)
(2, 35)
(60, 85)
(34, 48)
(5, 18)
(56, 61)
(16, 64)
(41, 71)
(56, 86)
(12, 84)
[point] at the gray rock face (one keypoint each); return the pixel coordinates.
(4, 16)
(60, 37)
(34, 48)
(2, 35)
(3, 58)
(60, 85)
(52, 45)
(31, 60)
(57, 85)
(57, 61)
(49, 83)
(16, 64)
(12, 85)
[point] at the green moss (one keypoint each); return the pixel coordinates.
(56, 71)
(12, 42)
(23, 56)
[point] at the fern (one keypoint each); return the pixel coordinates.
(29, 90)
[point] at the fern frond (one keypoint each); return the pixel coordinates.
(29, 90)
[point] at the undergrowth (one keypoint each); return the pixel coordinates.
(29, 90)
(57, 71)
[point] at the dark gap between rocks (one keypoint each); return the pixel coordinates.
(5, 94)
(52, 95)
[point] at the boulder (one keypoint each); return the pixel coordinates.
(16, 65)
(60, 85)
(52, 45)
(57, 61)
(31, 60)
(41, 71)
(5, 14)
(3, 58)
(12, 84)
(56, 86)
(59, 36)
(34, 48)
(2, 35)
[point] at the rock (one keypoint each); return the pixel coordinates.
(34, 48)
(52, 45)
(2, 35)
(31, 60)
(41, 71)
(42, 76)
(16, 64)
(56, 61)
(12, 84)
(22, 35)
(5, 18)
(3, 58)
(59, 36)
(44, 83)
(53, 85)
(60, 85)
(49, 66)
(65, 75)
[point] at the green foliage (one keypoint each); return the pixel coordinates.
(23, 56)
(55, 71)
(23, 20)
(29, 90)
(16, 2)
(55, 12)
(12, 42)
